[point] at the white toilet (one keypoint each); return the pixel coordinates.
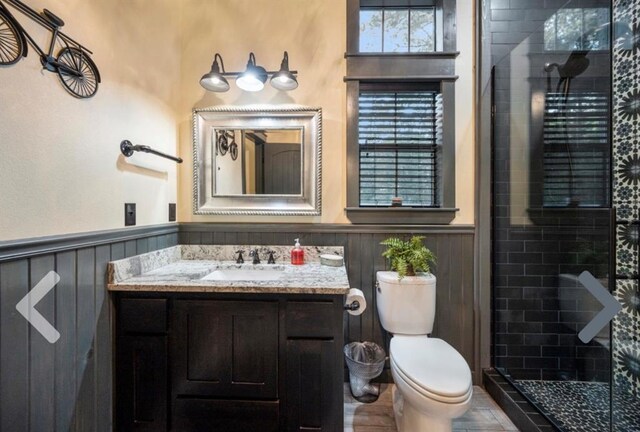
(433, 381)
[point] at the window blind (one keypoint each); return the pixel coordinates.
(576, 150)
(399, 136)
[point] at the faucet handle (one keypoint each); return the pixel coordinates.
(271, 259)
(240, 259)
(255, 255)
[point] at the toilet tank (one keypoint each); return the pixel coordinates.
(406, 306)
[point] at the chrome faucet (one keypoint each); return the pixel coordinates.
(255, 256)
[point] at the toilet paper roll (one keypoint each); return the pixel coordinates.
(355, 294)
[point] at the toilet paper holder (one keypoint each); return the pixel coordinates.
(354, 305)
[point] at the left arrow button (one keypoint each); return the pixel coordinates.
(27, 305)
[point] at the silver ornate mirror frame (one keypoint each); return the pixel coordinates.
(309, 119)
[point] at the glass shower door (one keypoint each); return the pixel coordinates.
(553, 221)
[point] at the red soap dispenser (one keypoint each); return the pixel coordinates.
(297, 254)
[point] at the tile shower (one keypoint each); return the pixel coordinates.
(566, 199)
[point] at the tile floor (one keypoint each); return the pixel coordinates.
(484, 415)
(580, 406)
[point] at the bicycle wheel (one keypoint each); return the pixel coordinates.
(223, 145)
(83, 86)
(11, 43)
(233, 150)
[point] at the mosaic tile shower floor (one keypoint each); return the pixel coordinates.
(580, 406)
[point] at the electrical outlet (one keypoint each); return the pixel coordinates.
(172, 212)
(129, 214)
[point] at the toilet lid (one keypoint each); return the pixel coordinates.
(431, 364)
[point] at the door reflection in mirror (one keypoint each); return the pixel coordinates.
(257, 161)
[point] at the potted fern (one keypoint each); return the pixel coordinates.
(408, 258)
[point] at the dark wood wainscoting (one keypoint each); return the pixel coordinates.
(65, 386)
(453, 246)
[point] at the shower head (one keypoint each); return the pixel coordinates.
(575, 65)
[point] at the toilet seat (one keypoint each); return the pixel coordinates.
(431, 367)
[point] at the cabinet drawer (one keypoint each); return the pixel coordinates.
(204, 415)
(143, 315)
(311, 319)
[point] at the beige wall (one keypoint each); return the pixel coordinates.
(60, 169)
(314, 34)
(59, 165)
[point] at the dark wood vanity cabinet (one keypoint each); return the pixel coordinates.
(222, 362)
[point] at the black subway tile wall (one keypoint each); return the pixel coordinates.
(538, 252)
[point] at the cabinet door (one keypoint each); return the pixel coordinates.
(141, 384)
(313, 386)
(225, 349)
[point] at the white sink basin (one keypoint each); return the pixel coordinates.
(244, 275)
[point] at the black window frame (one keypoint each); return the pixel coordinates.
(427, 69)
(445, 26)
(583, 11)
(384, 9)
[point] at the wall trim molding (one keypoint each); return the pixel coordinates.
(326, 228)
(402, 78)
(25, 248)
(401, 215)
(421, 55)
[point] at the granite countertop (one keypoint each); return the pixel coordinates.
(181, 269)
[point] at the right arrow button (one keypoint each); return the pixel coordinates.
(611, 307)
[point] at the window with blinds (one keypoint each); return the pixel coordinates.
(576, 150)
(399, 136)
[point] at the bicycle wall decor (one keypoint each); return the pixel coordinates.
(77, 72)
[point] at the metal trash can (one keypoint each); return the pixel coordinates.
(365, 361)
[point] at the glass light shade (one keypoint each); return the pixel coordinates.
(284, 80)
(214, 82)
(252, 79)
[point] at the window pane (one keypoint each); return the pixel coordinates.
(371, 30)
(596, 29)
(569, 29)
(550, 34)
(396, 30)
(422, 37)
(577, 29)
(576, 150)
(399, 135)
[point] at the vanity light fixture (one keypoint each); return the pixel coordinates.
(284, 79)
(214, 80)
(252, 79)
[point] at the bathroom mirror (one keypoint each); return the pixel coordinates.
(257, 160)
